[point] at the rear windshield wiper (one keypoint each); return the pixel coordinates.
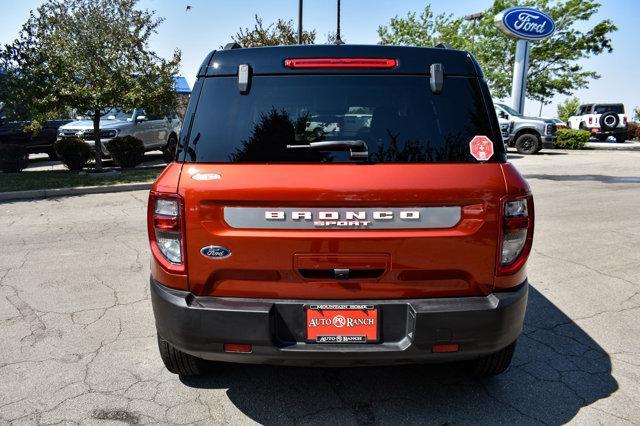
(357, 148)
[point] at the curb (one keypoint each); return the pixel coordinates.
(612, 146)
(79, 190)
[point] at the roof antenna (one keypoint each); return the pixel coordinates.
(338, 39)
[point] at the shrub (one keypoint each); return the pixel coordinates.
(126, 151)
(73, 152)
(13, 158)
(633, 132)
(572, 139)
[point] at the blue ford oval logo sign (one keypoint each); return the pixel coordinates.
(525, 23)
(215, 252)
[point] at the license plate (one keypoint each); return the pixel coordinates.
(342, 323)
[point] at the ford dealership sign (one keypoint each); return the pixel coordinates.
(525, 23)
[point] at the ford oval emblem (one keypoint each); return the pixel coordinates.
(525, 23)
(215, 252)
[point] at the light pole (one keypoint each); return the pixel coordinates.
(299, 21)
(338, 39)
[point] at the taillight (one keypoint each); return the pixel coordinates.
(165, 218)
(328, 63)
(590, 120)
(516, 234)
(624, 119)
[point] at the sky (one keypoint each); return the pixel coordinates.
(211, 23)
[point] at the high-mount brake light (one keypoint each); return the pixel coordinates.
(341, 63)
(166, 224)
(516, 234)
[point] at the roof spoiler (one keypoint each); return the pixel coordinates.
(232, 45)
(444, 45)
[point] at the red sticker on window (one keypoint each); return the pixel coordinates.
(481, 148)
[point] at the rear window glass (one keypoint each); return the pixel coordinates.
(616, 108)
(398, 117)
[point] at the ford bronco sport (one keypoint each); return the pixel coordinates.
(402, 241)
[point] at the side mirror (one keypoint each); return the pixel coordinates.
(504, 115)
(141, 118)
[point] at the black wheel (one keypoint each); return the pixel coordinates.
(621, 137)
(494, 364)
(609, 120)
(179, 362)
(169, 151)
(528, 144)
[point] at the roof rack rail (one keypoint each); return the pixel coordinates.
(444, 45)
(232, 45)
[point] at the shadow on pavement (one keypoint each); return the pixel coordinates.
(557, 370)
(579, 178)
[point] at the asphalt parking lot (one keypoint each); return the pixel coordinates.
(78, 340)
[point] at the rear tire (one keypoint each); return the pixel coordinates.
(179, 362)
(528, 144)
(621, 137)
(494, 364)
(53, 155)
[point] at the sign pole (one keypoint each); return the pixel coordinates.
(520, 69)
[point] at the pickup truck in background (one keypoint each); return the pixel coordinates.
(528, 134)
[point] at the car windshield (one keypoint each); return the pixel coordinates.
(117, 114)
(616, 108)
(398, 118)
(510, 110)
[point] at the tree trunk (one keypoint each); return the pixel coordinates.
(96, 138)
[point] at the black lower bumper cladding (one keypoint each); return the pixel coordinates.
(276, 328)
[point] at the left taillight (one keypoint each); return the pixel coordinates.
(516, 236)
(165, 217)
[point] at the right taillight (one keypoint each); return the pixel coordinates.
(516, 234)
(166, 225)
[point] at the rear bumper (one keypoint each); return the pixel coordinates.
(608, 132)
(276, 328)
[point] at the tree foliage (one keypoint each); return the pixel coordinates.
(568, 108)
(91, 55)
(553, 64)
(279, 33)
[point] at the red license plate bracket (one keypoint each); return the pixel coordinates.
(342, 323)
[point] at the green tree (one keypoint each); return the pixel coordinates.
(568, 108)
(91, 55)
(637, 113)
(553, 64)
(279, 33)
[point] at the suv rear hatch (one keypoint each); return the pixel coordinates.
(415, 217)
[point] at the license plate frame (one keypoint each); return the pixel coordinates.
(324, 331)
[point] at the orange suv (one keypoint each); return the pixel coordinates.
(396, 234)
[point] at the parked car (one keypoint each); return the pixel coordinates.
(506, 127)
(14, 132)
(404, 244)
(320, 125)
(602, 120)
(529, 134)
(559, 123)
(155, 131)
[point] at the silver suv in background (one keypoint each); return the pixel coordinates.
(157, 132)
(602, 120)
(527, 134)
